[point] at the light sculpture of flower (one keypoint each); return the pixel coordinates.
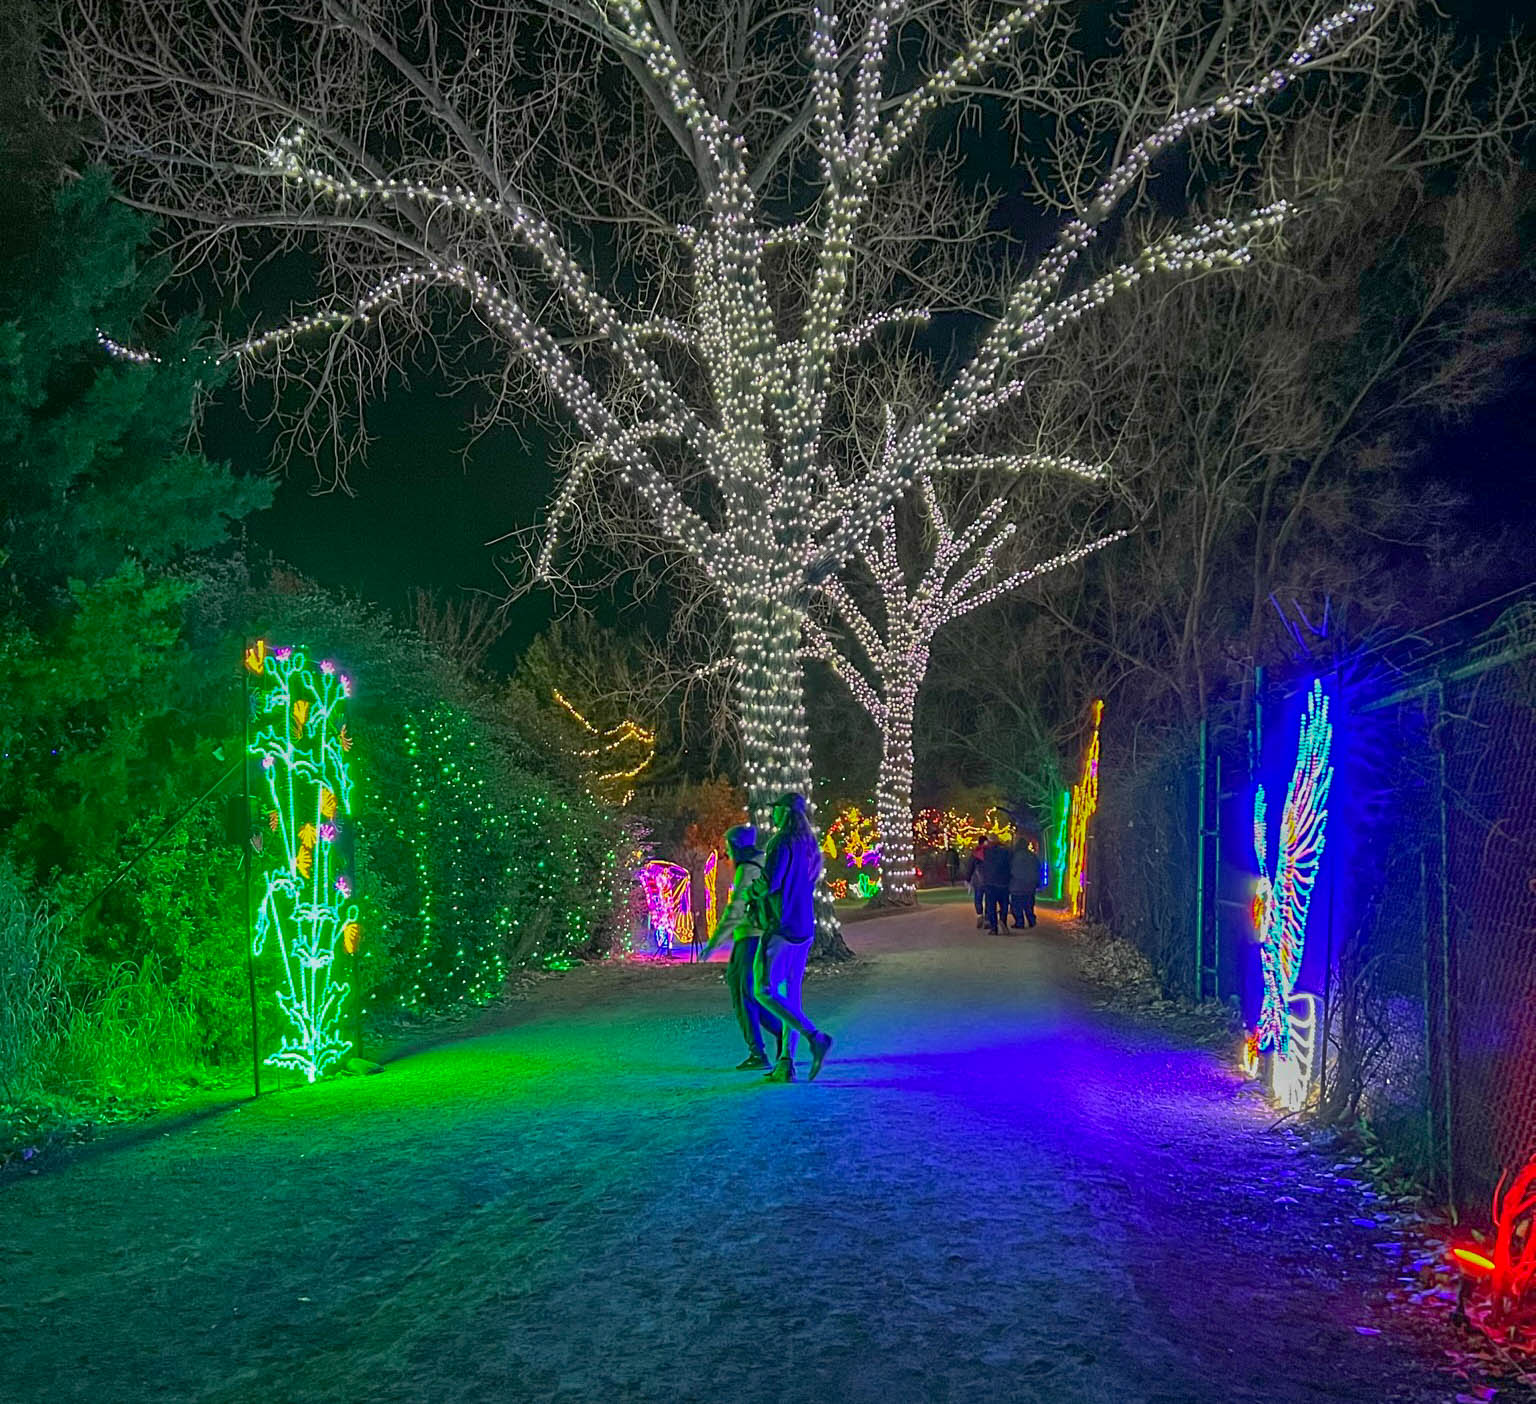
(304, 914)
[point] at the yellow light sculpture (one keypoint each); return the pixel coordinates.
(1085, 801)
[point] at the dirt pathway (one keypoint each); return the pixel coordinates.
(990, 1194)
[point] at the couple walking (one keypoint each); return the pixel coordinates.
(770, 921)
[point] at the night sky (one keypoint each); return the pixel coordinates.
(421, 511)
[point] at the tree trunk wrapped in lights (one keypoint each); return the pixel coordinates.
(768, 211)
(957, 577)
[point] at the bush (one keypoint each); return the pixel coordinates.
(478, 847)
(488, 865)
(73, 1034)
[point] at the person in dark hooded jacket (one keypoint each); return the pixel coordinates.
(995, 862)
(1024, 879)
(976, 881)
(742, 926)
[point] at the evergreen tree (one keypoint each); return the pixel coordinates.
(100, 494)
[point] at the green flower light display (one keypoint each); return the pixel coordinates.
(306, 916)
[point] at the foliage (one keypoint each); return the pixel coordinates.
(489, 864)
(105, 740)
(120, 718)
(479, 849)
(690, 818)
(589, 694)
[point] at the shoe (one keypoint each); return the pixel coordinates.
(754, 1060)
(783, 1071)
(821, 1045)
(978, 923)
(993, 930)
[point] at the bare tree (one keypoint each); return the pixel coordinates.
(1268, 424)
(406, 146)
(463, 629)
(957, 571)
(680, 227)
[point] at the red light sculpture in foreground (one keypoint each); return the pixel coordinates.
(1507, 1310)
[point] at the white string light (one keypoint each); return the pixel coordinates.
(777, 515)
(945, 590)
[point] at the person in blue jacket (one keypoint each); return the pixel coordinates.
(791, 868)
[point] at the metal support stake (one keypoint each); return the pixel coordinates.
(1216, 870)
(246, 859)
(1447, 955)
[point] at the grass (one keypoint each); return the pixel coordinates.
(77, 1045)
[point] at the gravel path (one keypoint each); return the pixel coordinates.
(992, 1193)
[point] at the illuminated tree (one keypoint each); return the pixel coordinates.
(597, 703)
(958, 573)
(681, 228)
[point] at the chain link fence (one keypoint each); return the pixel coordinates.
(1487, 719)
(1429, 994)
(1143, 852)
(1432, 1005)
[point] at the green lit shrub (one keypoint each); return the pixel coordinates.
(478, 847)
(490, 865)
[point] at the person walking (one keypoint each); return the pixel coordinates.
(1024, 880)
(791, 868)
(995, 861)
(976, 882)
(952, 856)
(742, 925)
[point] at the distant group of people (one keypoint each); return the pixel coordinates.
(1004, 880)
(770, 920)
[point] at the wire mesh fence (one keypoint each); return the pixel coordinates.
(1487, 715)
(1428, 996)
(1142, 853)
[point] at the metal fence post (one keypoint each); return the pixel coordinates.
(1200, 836)
(1447, 955)
(247, 857)
(1436, 927)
